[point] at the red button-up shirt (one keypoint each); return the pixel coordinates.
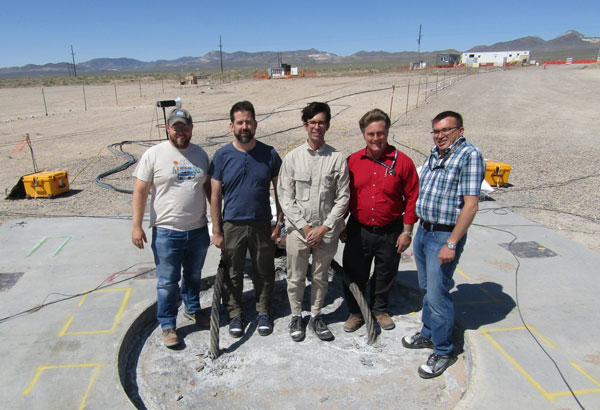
(377, 197)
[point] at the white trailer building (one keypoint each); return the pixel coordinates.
(495, 58)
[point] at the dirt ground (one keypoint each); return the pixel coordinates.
(542, 122)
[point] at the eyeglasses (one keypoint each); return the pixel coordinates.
(443, 131)
(313, 124)
(181, 128)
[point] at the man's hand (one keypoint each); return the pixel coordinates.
(218, 240)
(138, 237)
(315, 236)
(275, 234)
(446, 255)
(343, 236)
(402, 243)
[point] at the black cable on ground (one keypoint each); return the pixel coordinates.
(130, 161)
(522, 319)
(68, 297)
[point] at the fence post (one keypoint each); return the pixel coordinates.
(407, 94)
(84, 99)
(418, 91)
(44, 97)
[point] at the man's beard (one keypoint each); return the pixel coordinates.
(181, 145)
(244, 138)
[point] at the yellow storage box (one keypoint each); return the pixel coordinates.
(496, 173)
(47, 184)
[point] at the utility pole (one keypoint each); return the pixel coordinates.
(221, 53)
(419, 46)
(73, 55)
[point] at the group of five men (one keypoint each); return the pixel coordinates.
(315, 188)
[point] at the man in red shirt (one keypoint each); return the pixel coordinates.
(383, 192)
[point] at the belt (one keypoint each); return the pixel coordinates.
(436, 227)
(393, 226)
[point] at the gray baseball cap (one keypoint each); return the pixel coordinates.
(179, 115)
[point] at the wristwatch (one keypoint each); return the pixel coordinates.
(451, 245)
(280, 223)
(407, 233)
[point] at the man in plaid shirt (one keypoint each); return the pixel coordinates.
(449, 187)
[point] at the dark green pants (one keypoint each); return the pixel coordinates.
(241, 237)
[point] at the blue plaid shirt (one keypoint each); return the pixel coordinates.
(441, 190)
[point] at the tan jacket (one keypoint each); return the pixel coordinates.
(313, 189)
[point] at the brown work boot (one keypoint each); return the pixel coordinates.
(353, 323)
(169, 337)
(200, 318)
(385, 321)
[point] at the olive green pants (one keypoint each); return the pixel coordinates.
(241, 237)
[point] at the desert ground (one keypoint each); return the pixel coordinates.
(542, 122)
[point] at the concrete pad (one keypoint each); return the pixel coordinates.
(68, 353)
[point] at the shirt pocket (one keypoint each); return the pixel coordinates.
(302, 185)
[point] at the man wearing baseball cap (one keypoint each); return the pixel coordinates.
(176, 173)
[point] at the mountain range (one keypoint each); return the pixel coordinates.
(566, 43)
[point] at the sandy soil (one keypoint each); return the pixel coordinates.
(540, 121)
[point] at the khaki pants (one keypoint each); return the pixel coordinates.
(298, 252)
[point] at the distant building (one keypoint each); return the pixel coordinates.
(418, 65)
(283, 71)
(494, 58)
(444, 60)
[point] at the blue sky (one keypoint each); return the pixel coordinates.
(42, 31)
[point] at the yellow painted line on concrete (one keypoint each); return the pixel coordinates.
(115, 321)
(517, 365)
(505, 329)
(586, 374)
(489, 295)
(548, 395)
(463, 274)
(577, 392)
(40, 369)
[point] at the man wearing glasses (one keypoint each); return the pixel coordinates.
(176, 172)
(314, 194)
(449, 186)
(383, 192)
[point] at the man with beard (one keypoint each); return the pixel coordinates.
(242, 172)
(176, 172)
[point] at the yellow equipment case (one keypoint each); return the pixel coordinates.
(496, 173)
(47, 184)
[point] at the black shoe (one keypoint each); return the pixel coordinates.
(416, 341)
(236, 327)
(264, 326)
(320, 328)
(436, 365)
(296, 329)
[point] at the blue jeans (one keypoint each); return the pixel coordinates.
(436, 281)
(174, 250)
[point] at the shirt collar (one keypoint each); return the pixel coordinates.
(460, 140)
(388, 153)
(318, 150)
